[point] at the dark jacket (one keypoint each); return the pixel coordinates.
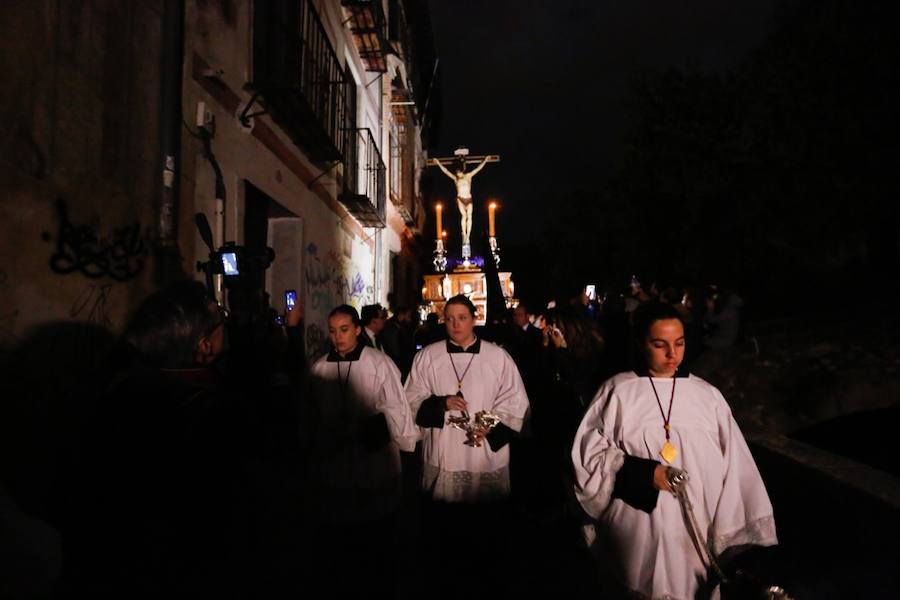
(165, 506)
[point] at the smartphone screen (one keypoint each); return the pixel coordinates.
(590, 291)
(230, 263)
(290, 299)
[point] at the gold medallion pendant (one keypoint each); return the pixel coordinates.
(668, 452)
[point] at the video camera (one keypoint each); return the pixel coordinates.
(238, 265)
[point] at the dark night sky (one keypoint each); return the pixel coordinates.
(545, 85)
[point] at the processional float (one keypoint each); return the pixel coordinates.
(467, 275)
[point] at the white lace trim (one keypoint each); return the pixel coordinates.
(760, 532)
(635, 595)
(465, 486)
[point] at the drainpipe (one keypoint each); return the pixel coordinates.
(168, 263)
(219, 229)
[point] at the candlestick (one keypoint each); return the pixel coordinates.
(495, 250)
(440, 256)
(438, 208)
(491, 208)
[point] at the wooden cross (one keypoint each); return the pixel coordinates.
(470, 160)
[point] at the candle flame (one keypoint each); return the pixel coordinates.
(493, 205)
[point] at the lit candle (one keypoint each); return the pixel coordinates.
(491, 208)
(438, 208)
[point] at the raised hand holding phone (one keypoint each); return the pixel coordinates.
(294, 313)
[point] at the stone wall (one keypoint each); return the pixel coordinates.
(79, 127)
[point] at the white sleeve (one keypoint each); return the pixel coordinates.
(743, 513)
(395, 407)
(595, 456)
(511, 402)
(418, 386)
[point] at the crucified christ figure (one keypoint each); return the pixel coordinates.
(463, 182)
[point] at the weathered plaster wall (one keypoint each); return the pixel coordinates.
(78, 160)
(338, 256)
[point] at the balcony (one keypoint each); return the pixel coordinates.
(369, 28)
(298, 77)
(364, 189)
(399, 34)
(402, 190)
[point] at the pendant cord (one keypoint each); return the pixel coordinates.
(666, 418)
(344, 383)
(459, 380)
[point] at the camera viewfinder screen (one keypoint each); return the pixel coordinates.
(229, 263)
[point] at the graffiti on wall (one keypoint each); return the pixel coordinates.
(331, 279)
(316, 341)
(352, 288)
(92, 304)
(120, 256)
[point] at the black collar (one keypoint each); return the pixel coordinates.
(645, 372)
(475, 348)
(333, 356)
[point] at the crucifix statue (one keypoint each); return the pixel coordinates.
(463, 181)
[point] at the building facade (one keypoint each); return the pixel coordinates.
(293, 125)
(317, 132)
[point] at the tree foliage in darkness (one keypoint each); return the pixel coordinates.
(780, 172)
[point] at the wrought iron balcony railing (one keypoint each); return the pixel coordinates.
(297, 72)
(364, 175)
(400, 36)
(369, 28)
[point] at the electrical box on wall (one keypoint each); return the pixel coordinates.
(204, 118)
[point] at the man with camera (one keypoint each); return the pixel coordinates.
(167, 503)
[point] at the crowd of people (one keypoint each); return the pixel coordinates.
(218, 461)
